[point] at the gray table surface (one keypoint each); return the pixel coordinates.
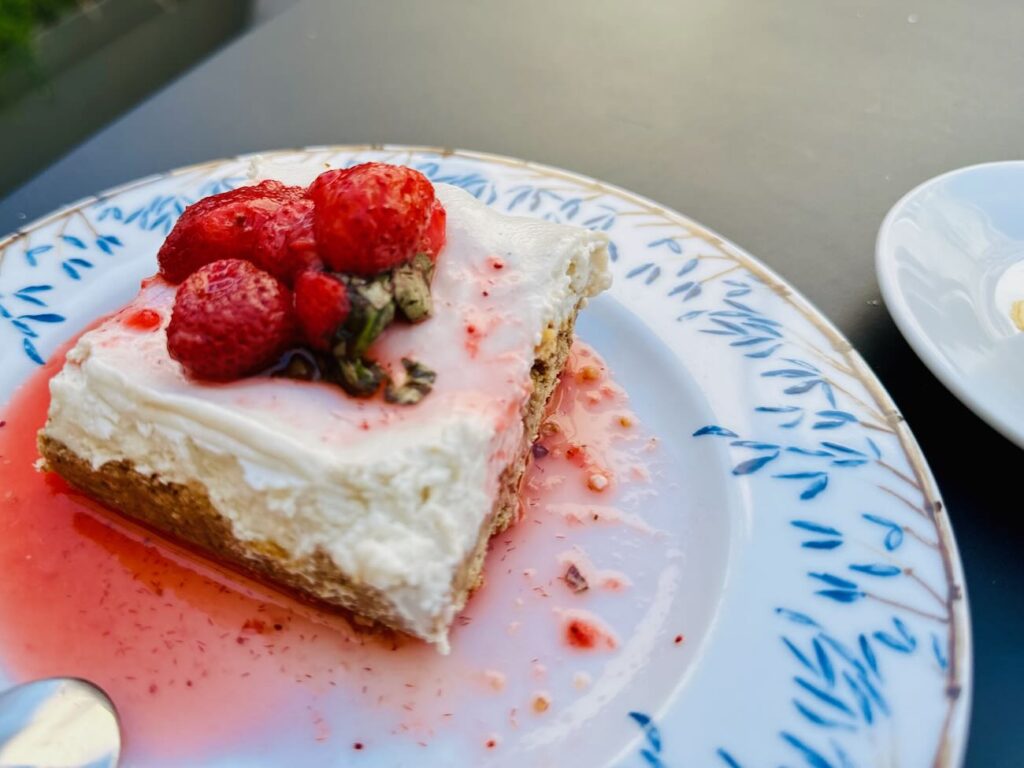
(789, 126)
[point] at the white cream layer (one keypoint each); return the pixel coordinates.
(394, 495)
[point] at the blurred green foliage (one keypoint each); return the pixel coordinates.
(19, 21)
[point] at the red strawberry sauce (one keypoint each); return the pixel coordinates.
(198, 659)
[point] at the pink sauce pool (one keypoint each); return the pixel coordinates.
(203, 662)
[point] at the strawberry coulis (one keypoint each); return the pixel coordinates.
(142, 320)
(181, 644)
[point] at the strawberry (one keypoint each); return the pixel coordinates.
(285, 245)
(221, 226)
(321, 306)
(435, 235)
(371, 217)
(230, 319)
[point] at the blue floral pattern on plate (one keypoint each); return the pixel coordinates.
(855, 648)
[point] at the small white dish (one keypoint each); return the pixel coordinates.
(950, 262)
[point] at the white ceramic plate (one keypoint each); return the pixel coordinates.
(950, 262)
(815, 575)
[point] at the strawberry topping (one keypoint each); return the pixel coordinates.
(285, 245)
(378, 228)
(434, 236)
(321, 306)
(230, 320)
(221, 226)
(372, 217)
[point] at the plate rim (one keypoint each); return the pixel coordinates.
(952, 737)
(908, 325)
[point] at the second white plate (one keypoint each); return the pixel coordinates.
(950, 261)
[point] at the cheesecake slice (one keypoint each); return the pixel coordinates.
(381, 509)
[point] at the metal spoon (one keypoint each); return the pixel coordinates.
(60, 722)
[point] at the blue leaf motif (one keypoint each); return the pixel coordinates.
(639, 270)
(844, 652)
(874, 448)
(652, 275)
(25, 328)
(840, 415)
(799, 389)
(668, 242)
(570, 208)
(72, 240)
(823, 696)
(861, 697)
(869, 654)
(940, 656)
(613, 252)
(729, 760)
(877, 569)
(827, 670)
(840, 595)
(688, 267)
(641, 719)
(841, 448)
(682, 287)
(817, 719)
(788, 373)
(894, 536)
(32, 254)
(814, 758)
(799, 655)
(822, 544)
(904, 632)
(897, 644)
(651, 732)
(764, 352)
(797, 618)
(894, 539)
(729, 326)
(750, 342)
(815, 487)
(815, 527)
(802, 364)
(819, 481)
(713, 429)
(834, 581)
(830, 395)
(753, 465)
(30, 350)
(28, 296)
(519, 198)
(750, 311)
(756, 324)
(834, 419)
(44, 318)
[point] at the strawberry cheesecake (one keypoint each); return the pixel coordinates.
(332, 385)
